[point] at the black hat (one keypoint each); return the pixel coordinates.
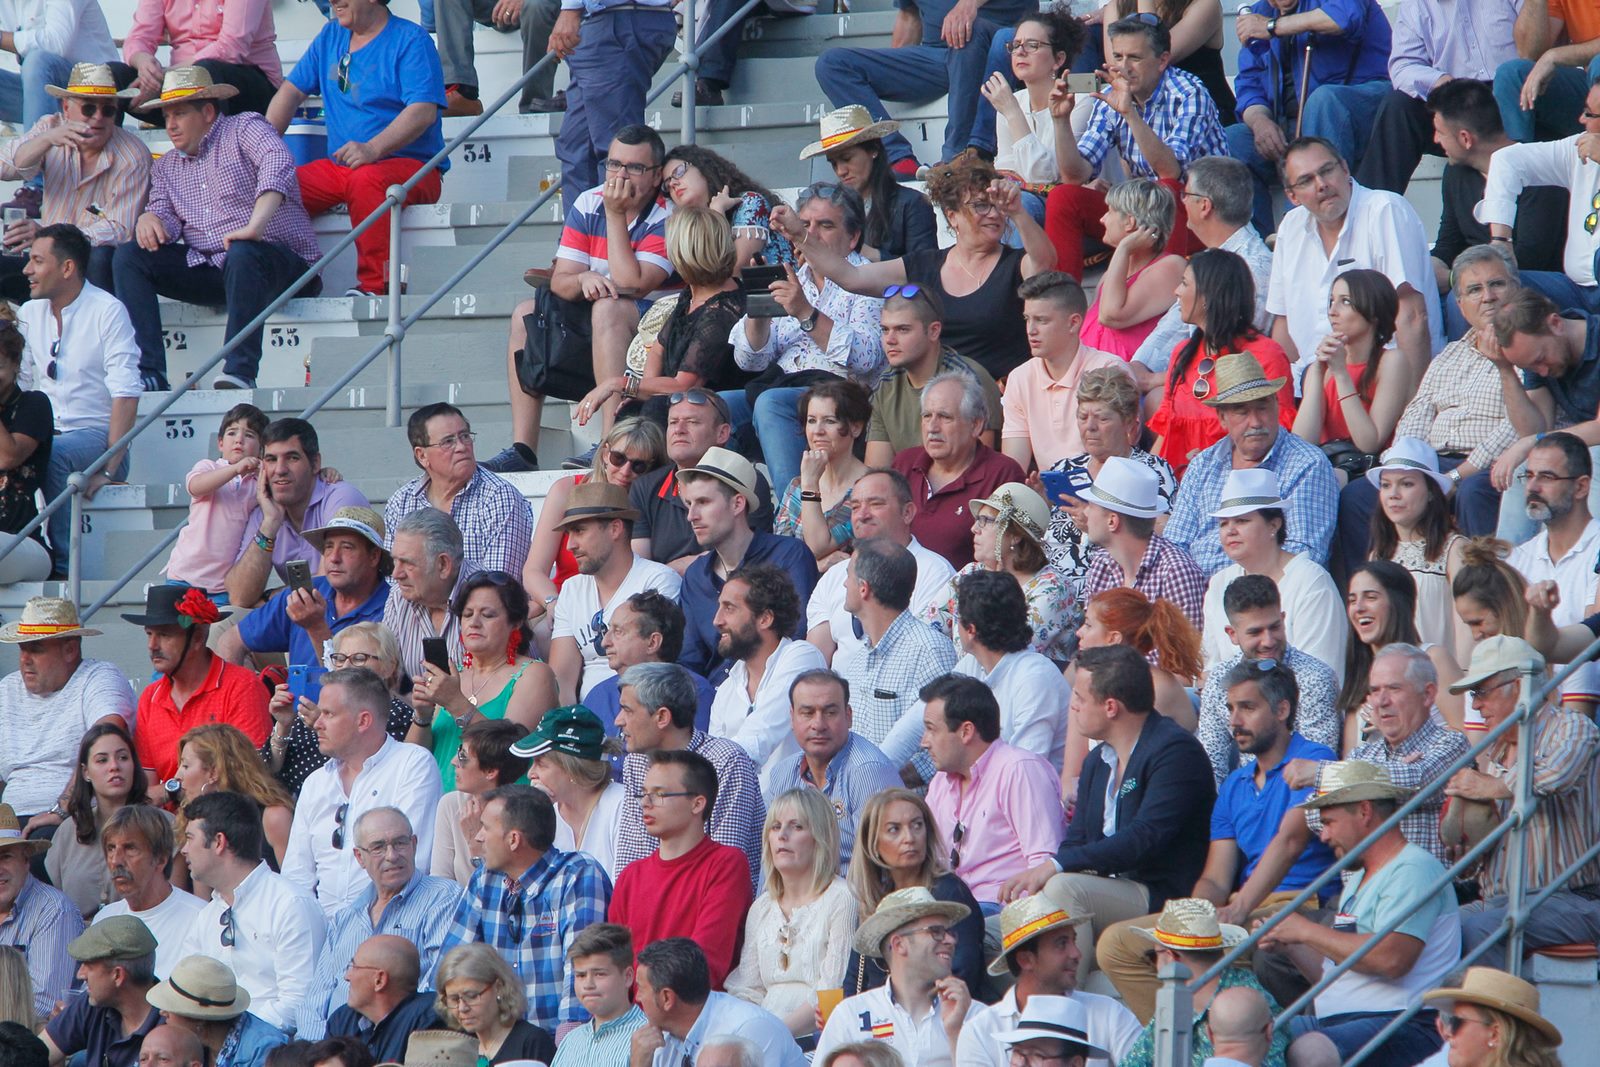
(162, 607)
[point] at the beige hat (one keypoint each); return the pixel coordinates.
(45, 617)
(899, 908)
(200, 988)
(1496, 655)
(591, 499)
(1241, 379)
(1023, 920)
(1020, 506)
(184, 85)
(439, 1048)
(1503, 992)
(845, 127)
(11, 833)
(1189, 924)
(729, 468)
(91, 81)
(1348, 781)
(357, 520)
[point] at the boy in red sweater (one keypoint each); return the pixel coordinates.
(691, 886)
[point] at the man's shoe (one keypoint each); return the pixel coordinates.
(515, 458)
(580, 463)
(29, 198)
(230, 381)
(704, 96)
(155, 383)
(904, 170)
(545, 104)
(457, 105)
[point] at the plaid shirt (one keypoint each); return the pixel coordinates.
(1180, 112)
(496, 524)
(1166, 571)
(885, 682)
(1459, 406)
(531, 922)
(202, 198)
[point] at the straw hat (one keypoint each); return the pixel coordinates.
(1127, 487)
(845, 127)
(1053, 1019)
(1020, 506)
(729, 468)
(1189, 924)
(43, 618)
(91, 81)
(200, 988)
(1248, 490)
(1241, 379)
(439, 1048)
(11, 834)
(1348, 781)
(1503, 992)
(185, 85)
(1496, 655)
(1023, 920)
(1414, 455)
(363, 521)
(592, 499)
(899, 908)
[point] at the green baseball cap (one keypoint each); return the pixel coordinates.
(573, 729)
(121, 937)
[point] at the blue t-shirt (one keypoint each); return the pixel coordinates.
(1577, 392)
(1251, 818)
(395, 69)
(269, 628)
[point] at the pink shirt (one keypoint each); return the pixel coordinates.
(1009, 810)
(208, 546)
(234, 31)
(1045, 410)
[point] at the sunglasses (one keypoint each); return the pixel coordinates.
(907, 292)
(621, 459)
(1593, 218)
(230, 932)
(1202, 383)
(343, 73)
(52, 369)
(600, 628)
(955, 845)
(339, 817)
(700, 398)
(91, 108)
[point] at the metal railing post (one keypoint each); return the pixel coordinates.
(396, 330)
(1174, 1020)
(75, 484)
(1521, 811)
(691, 67)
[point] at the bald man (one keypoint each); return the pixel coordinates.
(1240, 1025)
(384, 1008)
(169, 1046)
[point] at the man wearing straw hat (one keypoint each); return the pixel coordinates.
(36, 919)
(201, 997)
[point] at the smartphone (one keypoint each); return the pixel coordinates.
(1064, 483)
(299, 572)
(14, 214)
(305, 681)
(1083, 84)
(759, 303)
(436, 652)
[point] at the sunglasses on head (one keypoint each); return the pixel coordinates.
(699, 398)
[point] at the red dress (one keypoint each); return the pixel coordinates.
(1334, 428)
(1187, 425)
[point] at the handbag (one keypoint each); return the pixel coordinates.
(555, 360)
(1345, 456)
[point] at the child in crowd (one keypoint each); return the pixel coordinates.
(222, 493)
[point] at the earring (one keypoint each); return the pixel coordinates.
(466, 660)
(511, 649)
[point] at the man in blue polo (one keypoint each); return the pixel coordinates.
(107, 1019)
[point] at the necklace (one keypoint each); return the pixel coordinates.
(480, 679)
(967, 271)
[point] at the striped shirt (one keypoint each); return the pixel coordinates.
(410, 624)
(116, 185)
(596, 1044)
(583, 235)
(41, 923)
(1459, 406)
(496, 524)
(1566, 781)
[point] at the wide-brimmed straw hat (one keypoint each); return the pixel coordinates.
(185, 85)
(1018, 506)
(1248, 490)
(1239, 379)
(11, 833)
(439, 1048)
(44, 618)
(1349, 781)
(845, 127)
(1127, 487)
(1189, 924)
(590, 499)
(200, 988)
(1413, 455)
(1500, 991)
(91, 81)
(1023, 920)
(365, 522)
(1053, 1018)
(899, 908)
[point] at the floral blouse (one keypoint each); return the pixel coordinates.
(787, 523)
(1051, 612)
(1065, 544)
(751, 218)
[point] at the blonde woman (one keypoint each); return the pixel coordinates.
(481, 995)
(16, 990)
(863, 1054)
(569, 765)
(797, 934)
(217, 757)
(1491, 1019)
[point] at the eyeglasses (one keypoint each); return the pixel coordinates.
(1593, 218)
(1478, 693)
(955, 845)
(600, 628)
(983, 208)
(352, 659)
(230, 931)
(1326, 173)
(51, 369)
(1027, 48)
(634, 170)
(678, 172)
(983, 522)
(622, 459)
(465, 438)
(905, 292)
(398, 845)
(339, 815)
(354, 966)
(464, 1000)
(938, 933)
(1535, 477)
(343, 73)
(652, 798)
(91, 108)
(1202, 383)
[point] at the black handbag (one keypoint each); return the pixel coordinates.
(1345, 456)
(556, 359)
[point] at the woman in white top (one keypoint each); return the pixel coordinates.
(484, 762)
(569, 763)
(797, 934)
(1413, 527)
(1026, 134)
(1252, 529)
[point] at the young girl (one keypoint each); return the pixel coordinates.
(222, 494)
(1413, 527)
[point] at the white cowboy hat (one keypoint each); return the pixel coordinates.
(845, 127)
(1414, 455)
(1127, 487)
(1248, 490)
(1189, 924)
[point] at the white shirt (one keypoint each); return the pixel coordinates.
(874, 1015)
(75, 30)
(97, 359)
(1033, 696)
(1381, 232)
(1574, 575)
(600, 834)
(396, 776)
(1313, 614)
(1111, 1026)
(169, 922)
(1517, 166)
(728, 1016)
(1033, 158)
(761, 726)
(827, 599)
(278, 931)
(579, 605)
(39, 735)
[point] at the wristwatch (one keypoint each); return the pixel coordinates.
(809, 323)
(1454, 475)
(1272, 26)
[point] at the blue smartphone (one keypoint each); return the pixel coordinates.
(305, 681)
(1064, 483)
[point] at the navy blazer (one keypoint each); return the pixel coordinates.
(1163, 814)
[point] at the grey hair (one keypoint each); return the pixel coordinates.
(1277, 684)
(1148, 204)
(1420, 671)
(439, 532)
(749, 1052)
(1489, 253)
(974, 405)
(1225, 182)
(663, 685)
(362, 819)
(841, 196)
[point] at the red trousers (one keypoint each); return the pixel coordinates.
(1072, 216)
(324, 184)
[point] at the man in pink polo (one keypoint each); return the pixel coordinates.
(236, 43)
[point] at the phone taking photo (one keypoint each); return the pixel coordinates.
(298, 572)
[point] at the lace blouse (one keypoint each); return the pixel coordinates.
(785, 961)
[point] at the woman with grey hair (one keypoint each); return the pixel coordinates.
(481, 995)
(1142, 276)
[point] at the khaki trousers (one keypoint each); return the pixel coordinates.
(1107, 900)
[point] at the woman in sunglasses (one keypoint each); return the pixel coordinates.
(1217, 296)
(1488, 1018)
(30, 425)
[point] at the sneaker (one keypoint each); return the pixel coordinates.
(154, 383)
(230, 381)
(457, 105)
(357, 291)
(704, 96)
(29, 198)
(515, 458)
(580, 463)
(904, 170)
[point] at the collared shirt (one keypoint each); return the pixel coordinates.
(1459, 407)
(856, 772)
(1155, 352)
(1069, 550)
(943, 522)
(1007, 809)
(702, 585)
(276, 930)
(760, 724)
(396, 776)
(1249, 815)
(855, 342)
(420, 913)
(1033, 695)
(1433, 39)
(579, 615)
(897, 404)
(495, 521)
(39, 735)
(1519, 166)
(117, 184)
(917, 1035)
(531, 921)
(1111, 1027)
(886, 680)
(202, 198)
(242, 32)
(43, 920)
(728, 1016)
(228, 694)
(387, 1040)
(411, 623)
(1165, 572)
(736, 820)
(826, 606)
(326, 499)
(269, 628)
(1317, 717)
(584, 233)
(1043, 410)
(95, 354)
(600, 1044)
(249, 1041)
(1305, 480)
(1577, 392)
(1574, 576)
(75, 30)
(1142, 1054)
(1271, 70)
(96, 1031)
(1180, 112)
(1413, 763)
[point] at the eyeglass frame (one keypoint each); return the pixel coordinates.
(449, 441)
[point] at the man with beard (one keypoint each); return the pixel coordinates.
(139, 844)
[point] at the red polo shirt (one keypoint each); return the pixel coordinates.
(229, 694)
(944, 523)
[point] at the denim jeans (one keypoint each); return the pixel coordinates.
(1555, 113)
(69, 452)
(776, 419)
(22, 96)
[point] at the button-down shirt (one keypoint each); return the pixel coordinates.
(1415, 762)
(96, 1031)
(600, 1044)
(826, 606)
(75, 30)
(229, 694)
(1519, 166)
(1180, 112)
(917, 1035)
(1317, 717)
(96, 357)
(41, 923)
(531, 921)
(1433, 39)
(277, 931)
(855, 342)
(326, 499)
(1165, 572)
(1459, 407)
(856, 772)
(1305, 480)
(1007, 809)
(1043, 410)
(116, 185)
(269, 628)
(943, 522)
(1111, 1027)
(420, 913)
(240, 31)
(760, 724)
(398, 776)
(1155, 352)
(702, 585)
(1574, 575)
(202, 198)
(1270, 70)
(727, 1016)
(411, 623)
(886, 681)
(1033, 695)
(495, 521)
